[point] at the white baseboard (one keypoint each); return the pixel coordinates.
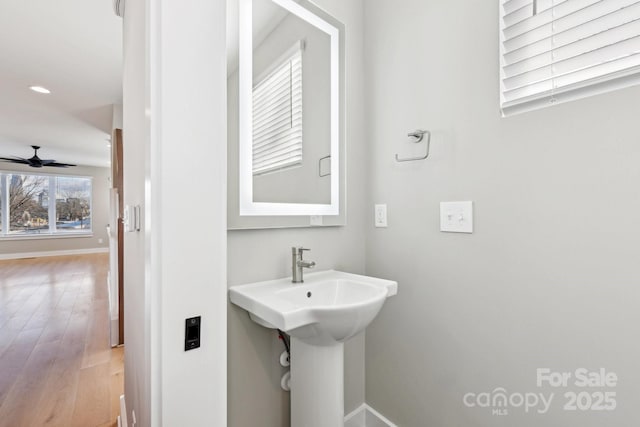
(356, 418)
(366, 416)
(22, 255)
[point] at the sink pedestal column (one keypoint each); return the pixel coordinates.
(317, 385)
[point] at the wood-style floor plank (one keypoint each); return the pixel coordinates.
(56, 364)
(29, 386)
(93, 400)
(96, 352)
(116, 371)
(14, 358)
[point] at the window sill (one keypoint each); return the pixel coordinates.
(45, 236)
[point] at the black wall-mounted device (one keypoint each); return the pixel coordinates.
(192, 333)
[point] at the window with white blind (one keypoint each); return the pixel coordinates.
(277, 115)
(559, 50)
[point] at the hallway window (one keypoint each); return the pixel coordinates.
(32, 205)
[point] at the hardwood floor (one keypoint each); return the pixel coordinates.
(56, 364)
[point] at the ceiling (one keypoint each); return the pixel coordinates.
(74, 49)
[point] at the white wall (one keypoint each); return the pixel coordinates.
(192, 125)
(99, 214)
(548, 279)
(174, 112)
(117, 117)
(135, 142)
(254, 371)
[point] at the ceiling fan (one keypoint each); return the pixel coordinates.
(35, 161)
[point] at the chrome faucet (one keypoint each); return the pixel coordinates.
(298, 264)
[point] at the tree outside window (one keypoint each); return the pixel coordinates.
(27, 213)
(38, 204)
(73, 204)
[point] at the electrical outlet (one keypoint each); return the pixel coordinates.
(380, 215)
(315, 220)
(100, 241)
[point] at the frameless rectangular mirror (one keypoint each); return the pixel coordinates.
(285, 109)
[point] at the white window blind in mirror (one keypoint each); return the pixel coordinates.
(559, 50)
(277, 115)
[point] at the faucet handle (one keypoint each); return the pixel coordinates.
(295, 250)
(301, 252)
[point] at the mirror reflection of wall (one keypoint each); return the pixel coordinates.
(291, 111)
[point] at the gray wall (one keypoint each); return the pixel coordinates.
(255, 397)
(550, 276)
(100, 215)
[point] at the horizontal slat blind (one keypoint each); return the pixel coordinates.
(559, 50)
(277, 117)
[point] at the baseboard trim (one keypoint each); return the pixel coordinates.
(366, 416)
(21, 255)
(357, 417)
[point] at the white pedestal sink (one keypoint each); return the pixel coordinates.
(320, 315)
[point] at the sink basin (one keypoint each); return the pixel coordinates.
(328, 308)
(320, 315)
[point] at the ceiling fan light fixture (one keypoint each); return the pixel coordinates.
(35, 161)
(40, 89)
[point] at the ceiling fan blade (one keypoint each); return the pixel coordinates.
(35, 161)
(16, 160)
(58, 165)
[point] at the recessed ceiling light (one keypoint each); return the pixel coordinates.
(39, 89)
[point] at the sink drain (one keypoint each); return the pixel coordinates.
(308, 294)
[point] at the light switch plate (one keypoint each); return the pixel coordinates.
(456, 217)
(380, 215)
(127, 219)
(131, 218)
